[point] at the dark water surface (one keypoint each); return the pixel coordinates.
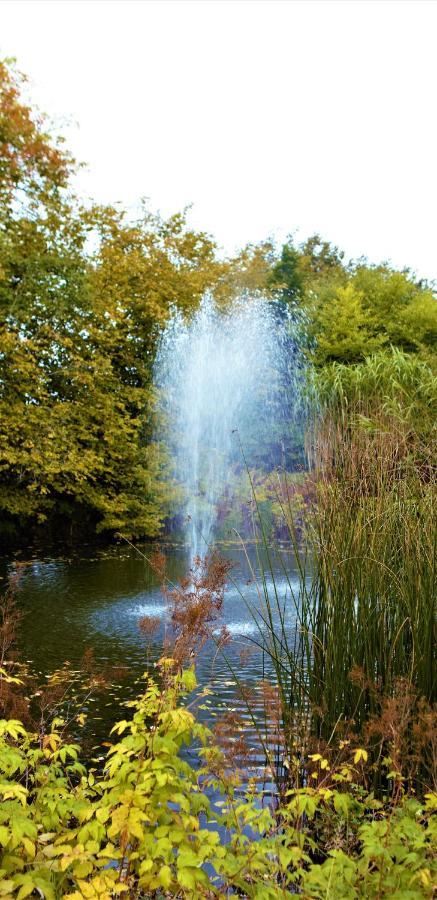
(70, 605)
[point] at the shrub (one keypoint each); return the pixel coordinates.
(150, 824)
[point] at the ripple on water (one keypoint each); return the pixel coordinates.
(148, 609)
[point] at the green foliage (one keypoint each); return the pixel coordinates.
(361, 657)
(147, 824)
(387, 380)
(342, 327)
(391, 393)
(353, 311)
(405, 311)
(393, 859)
(84, 294)
(76, 402)
(376, 307)
(374, 530)
(286, 274)
(300, 269)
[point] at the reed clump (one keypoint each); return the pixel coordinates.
(358, 664)
(374, 537)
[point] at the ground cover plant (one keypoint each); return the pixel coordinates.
(146, 825)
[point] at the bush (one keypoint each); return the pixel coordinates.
(147, 825)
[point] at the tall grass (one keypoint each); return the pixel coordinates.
(374, 538)
(364, 615)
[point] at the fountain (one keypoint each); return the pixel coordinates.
(228, 387)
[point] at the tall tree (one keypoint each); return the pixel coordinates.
(78, 334)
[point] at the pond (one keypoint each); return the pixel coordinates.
(72, 605)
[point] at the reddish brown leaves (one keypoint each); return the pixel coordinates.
(196, 605)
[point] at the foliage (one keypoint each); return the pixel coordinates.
(248, 272)
(387, 403)
(352, 645)
(301, 268)
(374, 527)
(342, 328)
(31, 162)
(388, 381)
(83, 296)
(376, 307)
(286, 274)
(148, 824)
(354, 310)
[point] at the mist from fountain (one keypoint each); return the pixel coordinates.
(229, 384)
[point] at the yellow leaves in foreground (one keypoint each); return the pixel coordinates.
(360, 754)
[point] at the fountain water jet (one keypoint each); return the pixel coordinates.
(229, 384)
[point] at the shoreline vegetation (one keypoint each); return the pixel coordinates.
(350, 725)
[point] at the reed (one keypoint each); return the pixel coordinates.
(364, 624)
(375, 577)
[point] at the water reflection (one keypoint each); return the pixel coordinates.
(72, 605)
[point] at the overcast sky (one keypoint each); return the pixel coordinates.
(269, 117)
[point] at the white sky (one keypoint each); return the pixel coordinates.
(267, 116)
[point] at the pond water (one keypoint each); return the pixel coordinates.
(70, 605)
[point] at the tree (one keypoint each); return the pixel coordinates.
(286, 276)
(79, 331)
(351, 311)
(375, 307)
(343, 329)
(32, 164)
(404, 310)
(300, 267)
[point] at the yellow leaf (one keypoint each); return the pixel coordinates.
(29, 847)
(360, 754)
(165, 877)
(87, 889)
(425, 877)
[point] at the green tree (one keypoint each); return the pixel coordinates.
(404, 310)
(342, 329)
(353, 310)
(298, 268)
(376, 307)
(286, 276)
(79, 330)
